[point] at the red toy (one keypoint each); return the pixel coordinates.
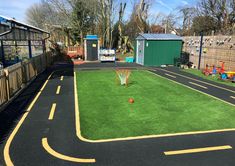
(221, 69)
(213, 69)
(209, 71)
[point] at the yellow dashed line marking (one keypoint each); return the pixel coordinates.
(193, 83)
(47, 147)
(170, 75)
(58, 90)
(198, 150)
(7, 157)
(61, 78)
(51, 116)
(232, 97)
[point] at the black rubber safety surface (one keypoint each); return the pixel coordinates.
(26, 148)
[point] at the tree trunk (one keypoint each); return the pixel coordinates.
(81, 38)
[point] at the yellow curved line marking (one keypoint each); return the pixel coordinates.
(6, 152)
(47, 147)
(78, 130)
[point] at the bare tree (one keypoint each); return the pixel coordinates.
(36, 15)
(223, 11)
(188, 14)
(106, 17)
(142, 15)
(120, 23)
(169, 22)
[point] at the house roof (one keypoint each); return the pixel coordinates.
(151, 36)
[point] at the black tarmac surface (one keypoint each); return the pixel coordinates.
(217, 90)
(26, 148)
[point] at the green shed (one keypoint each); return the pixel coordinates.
(157, 49)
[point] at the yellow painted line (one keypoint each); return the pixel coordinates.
(198, 150)
(170, 75)
(193, 83)
(52, 112)
(58, 90)
(198, 80)
(61, 78)
(78, 131)
(6, 153)
(47, 147)
(232, 97)
(77, 116)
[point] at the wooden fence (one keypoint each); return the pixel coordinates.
(15, 77)
(75, 52)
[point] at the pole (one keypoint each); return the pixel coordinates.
(200, 53)
(29, 43)
(30, 49)
(165, 28)
(44, 46)
(2, 53)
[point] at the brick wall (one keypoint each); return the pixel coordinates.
(215, 49)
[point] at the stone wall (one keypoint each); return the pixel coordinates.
(215, 49)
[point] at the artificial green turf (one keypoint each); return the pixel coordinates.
(160, 107)
(211, 78)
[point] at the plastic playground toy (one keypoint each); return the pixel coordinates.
(213, 70)
(228, 75)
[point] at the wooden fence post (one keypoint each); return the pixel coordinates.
(6, 72)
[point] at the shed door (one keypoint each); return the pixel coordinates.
(92, 50)
(140, 52)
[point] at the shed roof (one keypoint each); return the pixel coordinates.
(152, 36)
(91, 37)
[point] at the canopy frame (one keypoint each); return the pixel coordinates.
(14, 32)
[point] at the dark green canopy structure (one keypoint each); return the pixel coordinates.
(15, 34)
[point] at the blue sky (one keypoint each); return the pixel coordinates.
(17, 8)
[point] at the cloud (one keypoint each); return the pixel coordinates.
(164, 4)
(184, 2)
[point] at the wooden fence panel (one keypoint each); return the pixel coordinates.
(14, 77)
(3, 88)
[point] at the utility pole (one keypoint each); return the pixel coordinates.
(200, 53)
(166, 26)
